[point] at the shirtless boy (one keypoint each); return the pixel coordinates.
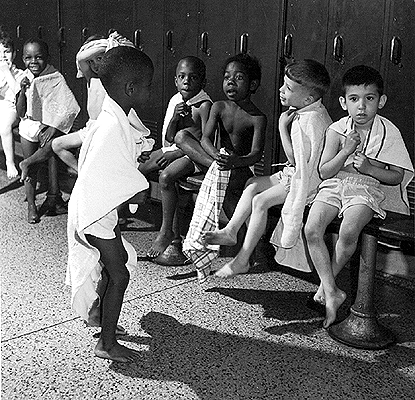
(240, 126)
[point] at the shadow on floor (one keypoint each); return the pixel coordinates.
(225, 366)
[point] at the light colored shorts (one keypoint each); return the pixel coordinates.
(284, 176)
(30, 129)
(347, 189)
(104, 228)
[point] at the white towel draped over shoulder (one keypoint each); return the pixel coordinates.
(177, 99)
(50, 101)
(108, 176)
(307, 136)
(384, 143)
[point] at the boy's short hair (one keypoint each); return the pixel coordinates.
(43, 45)
(311, 74)
(198, 63)
(6, 40)
(250, 63)
(123, 63)
(362, 75)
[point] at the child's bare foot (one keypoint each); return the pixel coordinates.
(12, 171)
(319, 296)
(25, 170)
(117, 352)
(232, 268)
(160, 244)
(333, 302)
(221, 236)
(32, 215)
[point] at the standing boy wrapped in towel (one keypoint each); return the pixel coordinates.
(241, 133)
(364, 157)
(301, 130)
(47, 108)
(187, 113)
(108, 177)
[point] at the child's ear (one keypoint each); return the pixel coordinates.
(254, 85)
(309, 100)
(129, 88)
(342, 102)
(382, 101)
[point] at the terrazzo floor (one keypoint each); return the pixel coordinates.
(247, 338)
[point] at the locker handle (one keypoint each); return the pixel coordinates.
(243, 48)
(40, 32)
(61, 40)
(396, 50)
(84, 34)
(288, 46)
(338, 49)
(169, 37)
(204, 40)
(137, 39)
(19, 31)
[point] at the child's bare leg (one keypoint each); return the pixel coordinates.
(114, 257)
(192, 148)
(28, 149)
(169, 198)
(151, 165)
(228, 235)
(261, 203)
(40, 155)
(62, 145)
(6, 134)
(320, 216)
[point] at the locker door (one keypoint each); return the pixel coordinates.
(399, 71)
(258, 33)
(216, 41)
(355, 37)
(31, 17)
(306, 30)
(72, 25)
(180, 39)
(148, 36)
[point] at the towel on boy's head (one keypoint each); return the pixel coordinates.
(384, 143)
(108, 177)
(97, 46)
(307, 135)
(206, 218)
(177, 99)
(50, 101)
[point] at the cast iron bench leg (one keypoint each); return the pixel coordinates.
(361, 328)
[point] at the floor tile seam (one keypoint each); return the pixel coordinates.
(60, 323)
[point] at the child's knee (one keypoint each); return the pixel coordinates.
(165, 179)
(311, 232)
(181, 137)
